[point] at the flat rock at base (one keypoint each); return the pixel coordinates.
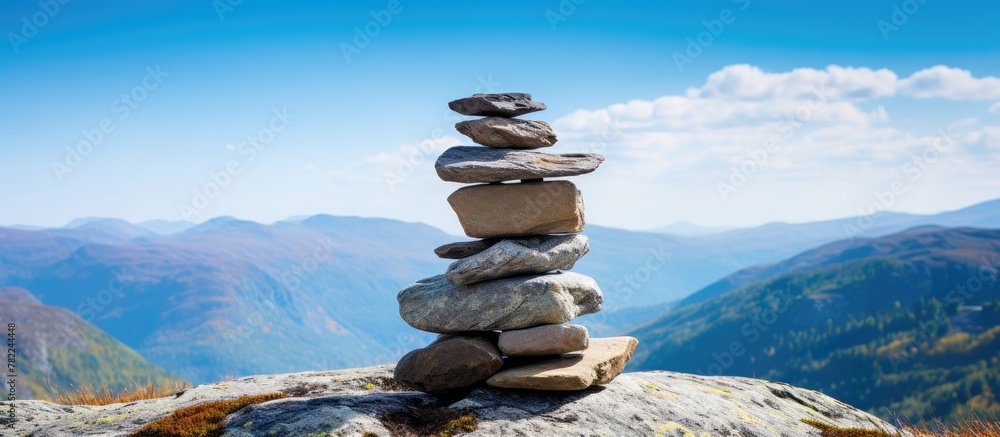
(473, 164)
(464, 249)
(544, 340)
(520, 256)
(449, 363)
(343, 402)
(508, 133)
(437, 305)
(602, 361)
(519, 209)
(496, 105)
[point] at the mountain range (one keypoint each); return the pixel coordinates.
(905, 324)
(231, 297)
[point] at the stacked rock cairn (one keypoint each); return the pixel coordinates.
(502, 307)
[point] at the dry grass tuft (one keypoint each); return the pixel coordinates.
(970, 426)
(830, 430)
(86, 395)
(202, 420)
(438, 422)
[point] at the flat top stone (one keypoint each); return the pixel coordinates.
(496, 105)
(472, 164)
(520, 256)
(602, 361)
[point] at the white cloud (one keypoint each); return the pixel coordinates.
(750, 82)
(989, 137)
(995, 109)
(949, 83)
(839, 147)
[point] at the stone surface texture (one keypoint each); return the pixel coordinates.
(352, 401)
(473, 164)
(437, 305)
(519, 209)
(508, 133)
(496, 105)
(521, 256)
(449, 363)
(602, 361)
(544, 340)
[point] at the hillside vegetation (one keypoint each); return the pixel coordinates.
(905, 325)
(58, 352)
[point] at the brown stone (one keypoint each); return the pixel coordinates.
(449, 363)
(544, 340)
(602, 361)
(519, 209)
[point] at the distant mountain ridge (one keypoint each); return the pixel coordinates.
(239, 286)
(232, 297)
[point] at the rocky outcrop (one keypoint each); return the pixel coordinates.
(357, 401)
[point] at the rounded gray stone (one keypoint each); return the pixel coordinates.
(437, 305)
(544, 340)
(520, 256)
(508, 133)
(449, 363)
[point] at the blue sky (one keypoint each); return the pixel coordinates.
(678, 140)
